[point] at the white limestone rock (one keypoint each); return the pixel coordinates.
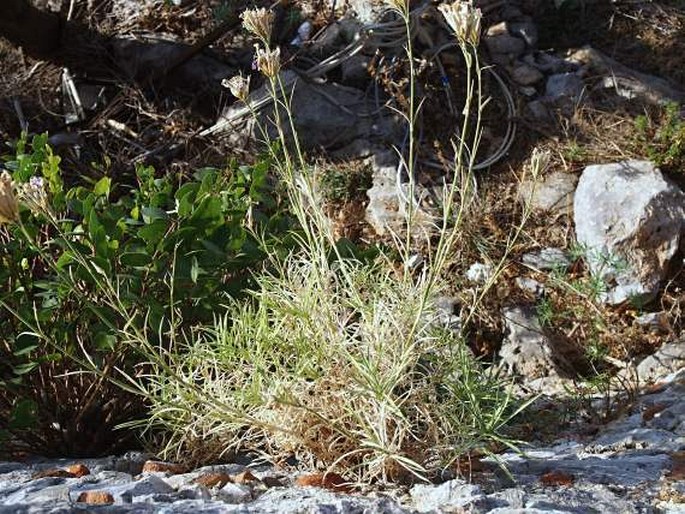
(630, 220)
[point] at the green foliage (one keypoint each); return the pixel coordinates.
(101, 257)
(574, 300)
(343, 185)
(224, 10)
(663, 139)
(575, 152)
(545, 312)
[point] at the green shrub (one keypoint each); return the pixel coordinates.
(90, 260)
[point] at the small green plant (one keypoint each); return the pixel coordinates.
(342, 185)
(663, 139)
(575, 152)
(596, 351)
(224, 10)
(545, 312)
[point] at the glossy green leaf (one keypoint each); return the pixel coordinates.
(135, 259)
(102, 187)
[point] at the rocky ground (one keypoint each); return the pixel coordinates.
(635, 464)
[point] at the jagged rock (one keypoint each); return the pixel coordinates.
(205, 475)
(630, 219)
(235, 493)
(667, 359)
(384, 211)
(554, 194)
(526, 75)
(621, 438)
(526, 30)
(547, 259)
(131, 463)
(648, 87)
(43, 490)
(452, 496)
(367, 11)
(448, 315)
(548, 63)
(575, 460)
(530, 285)
(142, 57)
(147, 486)
(527, 350)
(325, 116)
(8, 467)
(194, 492)
(566, 85)
(156, 466)
(479, 272)
(387, 208)
(504, 44)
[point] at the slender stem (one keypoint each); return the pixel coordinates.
(411, 121)
(287, 106)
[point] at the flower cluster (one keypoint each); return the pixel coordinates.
(259, 23)
(32, 194)
(464, 19)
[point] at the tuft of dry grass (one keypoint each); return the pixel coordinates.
(339, 364)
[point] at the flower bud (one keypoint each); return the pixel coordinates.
(239, 86)
(268, 61)
(398, 5)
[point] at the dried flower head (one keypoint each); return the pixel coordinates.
(401, 6)
(33, 195)
(464, 19)
(268, 61)
(239, 86)
(9, 209)
(259, 22)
